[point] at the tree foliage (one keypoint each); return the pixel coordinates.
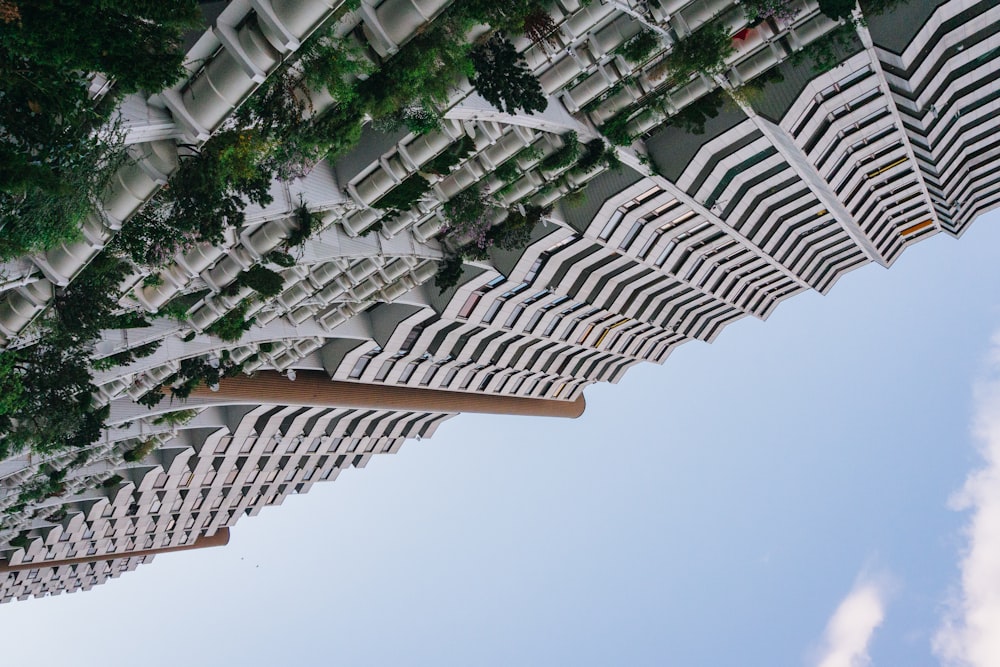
(703, 51)
(449, 272)
(262, 280)
(759, 10)
(135, 42)
(503, 78)
(405, 195)
(837, 9)
(565, 155)
(48, 399)
(52, 159)
(539, 27)
(827, 52)
(231, 326)
(206, 196)
(693, 117)
(640, 46)
(469, 215)
(514, 233)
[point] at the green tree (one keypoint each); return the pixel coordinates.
(449, 272)
(514, 233)
(837, 9)
(503, 78)
(262, 280)
(693, 117)
(50, 406)
(135, 42)
(703, 51)
(640, 47)
(46, 113)
(231, 326)
(88, 304)
(206, 196)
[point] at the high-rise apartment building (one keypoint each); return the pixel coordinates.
(672, 200)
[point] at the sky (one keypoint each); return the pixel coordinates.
(819, 490)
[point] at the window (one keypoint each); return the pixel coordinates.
(632, 233)
(612, 224)
(359, 367)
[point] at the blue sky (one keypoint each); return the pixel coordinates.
(713, 511)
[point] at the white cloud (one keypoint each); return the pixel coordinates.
(970, 632)
(851, 627)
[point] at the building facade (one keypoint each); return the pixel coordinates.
(815, 147)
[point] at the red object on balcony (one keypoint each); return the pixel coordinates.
(743, 34)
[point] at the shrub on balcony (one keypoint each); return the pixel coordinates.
(177, 308)
(87, 305)
(127, 356)
(451, 156)
(422, 73)
(703, 51)
(469, 215)
(262, 280)
(47, 387)
(760, 10)
(279, 258)
(152, 398)
(195, 372)
(47, 399)
(135, 42)
(231, 326)
(508, 171)
(565, 155)
(176, 418)
(280, 109)
(21, 541)
(514, 233)
(57, 516)
(42, 486)
(417, 118)
(616, 129)
(404, 196)
(592, 155)
(141, 451)
(206, 196)
(44, 201)
(640, 47)
(507, 15)
(306, 222)
(111, 482)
